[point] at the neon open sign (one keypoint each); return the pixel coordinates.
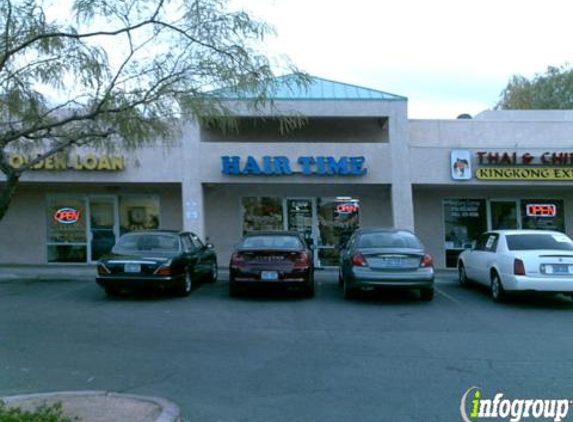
(346, 208)
(67, 215)
(541, 210)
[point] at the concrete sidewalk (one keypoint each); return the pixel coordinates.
(47, 271)
(101, 406)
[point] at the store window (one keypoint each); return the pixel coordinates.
(67, 240)
(465, 220)
(543, 214)
(262, 213)
(138, 212)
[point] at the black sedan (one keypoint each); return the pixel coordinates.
(277, 258)
(159, 259)
(386, 259)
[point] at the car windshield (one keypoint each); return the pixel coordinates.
(525, 242)
(392, 240)
(145, 242)
(271, 242)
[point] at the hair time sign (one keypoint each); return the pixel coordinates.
(512, 165)
(281, 166)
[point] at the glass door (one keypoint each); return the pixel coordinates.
(301, 217)
(103, 225)
(337, 220)
(504, 214)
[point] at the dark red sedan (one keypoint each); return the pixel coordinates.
(272, 258)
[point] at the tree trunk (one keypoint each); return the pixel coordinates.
(7, 190)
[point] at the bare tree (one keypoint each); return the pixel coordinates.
(122, 73)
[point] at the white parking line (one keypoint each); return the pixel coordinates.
(447, 296)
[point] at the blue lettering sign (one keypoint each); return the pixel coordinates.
(280, 165)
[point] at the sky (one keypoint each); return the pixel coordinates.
(447, 56)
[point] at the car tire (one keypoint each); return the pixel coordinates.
(213, 273)
(496, 289)
(234, 289)
(427, 295)
(340, 278)
(349, 292)
(185, 285)
(112, 291)
(309, 289)
(462, 276)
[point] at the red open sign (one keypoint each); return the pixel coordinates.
(541, 210)
(67, 215)
(346, 208)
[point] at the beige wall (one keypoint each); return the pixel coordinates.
(223, 222)
(428, 206)
(23, 230)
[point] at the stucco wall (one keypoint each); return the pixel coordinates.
(23, 230)
(223, 218)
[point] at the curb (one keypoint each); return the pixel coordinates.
(170, 412)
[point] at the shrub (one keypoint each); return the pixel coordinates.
(42, 413)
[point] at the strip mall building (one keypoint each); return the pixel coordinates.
(358, 162)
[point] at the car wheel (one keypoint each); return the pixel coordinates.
(340, 278)
(309, 289)
(112, 291)
(213, 274)
(462, 276)
(185, 285)
(349, 292)
(234, 289)
(427, 294)
(497, 291)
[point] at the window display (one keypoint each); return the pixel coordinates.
(464, 221)
(66, 217)
(138, 212)
(262, 213)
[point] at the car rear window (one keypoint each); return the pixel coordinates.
(525, 242)
(397, 240)
(147, 242)
(271, 242)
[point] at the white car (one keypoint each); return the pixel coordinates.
(512, 261)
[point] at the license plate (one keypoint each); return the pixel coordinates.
(269, 275)
(132, 268)
(392, 262)
(560, 269)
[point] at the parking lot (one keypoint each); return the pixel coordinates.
(279, 357)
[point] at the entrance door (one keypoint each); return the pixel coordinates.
(103, 225)
(504, 214)
(337, 220)
(301, 217)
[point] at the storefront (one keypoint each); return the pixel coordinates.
(358, 162)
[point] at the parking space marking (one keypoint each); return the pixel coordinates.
(448, 296)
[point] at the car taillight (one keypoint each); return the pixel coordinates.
(102, 270)
(237, 260)
(359, 260)
(518, 267)
(302, 260)
(427, 261)
(163, 270)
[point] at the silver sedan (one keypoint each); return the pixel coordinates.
(386, 259)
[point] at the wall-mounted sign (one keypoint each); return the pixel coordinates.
(460, 165)
(509, 158)
(70, 162)
(67, 215)
(280, 166)
(525, 173)
(347, 208)
(541, 210)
